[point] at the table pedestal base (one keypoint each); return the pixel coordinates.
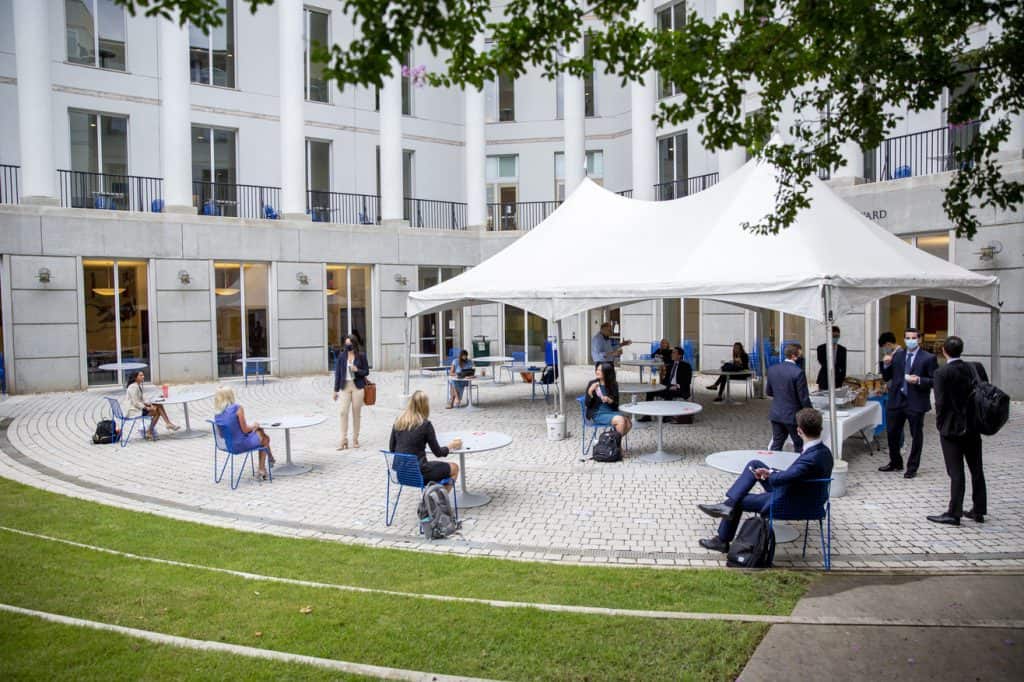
(659, 457)
(468, 500)
(292, 469)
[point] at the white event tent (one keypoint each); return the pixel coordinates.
(599, 249)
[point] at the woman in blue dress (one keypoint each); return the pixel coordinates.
(239, 434)
(462, 366)
(603, 399)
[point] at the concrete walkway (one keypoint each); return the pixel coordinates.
(941, 648)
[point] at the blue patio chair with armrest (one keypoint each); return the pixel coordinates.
(518, 360)
(585, 443)
(815, 506)
(222, 444)
(404, 470)
(118, 416)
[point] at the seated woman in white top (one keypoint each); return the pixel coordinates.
(137, 405)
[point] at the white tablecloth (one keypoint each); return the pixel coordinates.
(851, 421)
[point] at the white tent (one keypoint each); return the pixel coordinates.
(599, 249)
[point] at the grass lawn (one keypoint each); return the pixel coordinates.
(402, 632)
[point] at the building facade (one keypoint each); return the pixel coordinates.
(188, 200)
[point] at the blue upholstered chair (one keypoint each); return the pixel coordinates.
(404, 470)
(814, 505)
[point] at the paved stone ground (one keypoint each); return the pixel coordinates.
(546, 504)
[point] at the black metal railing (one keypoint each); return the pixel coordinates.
(519, 215)
(9, 176)
(682, 188)
(110, 191)
(431, 213)
(916, 154)
(626, 193)
(237, 201)
(343, 208)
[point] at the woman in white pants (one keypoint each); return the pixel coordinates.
(350, 372)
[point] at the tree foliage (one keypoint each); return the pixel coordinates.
(826, 72)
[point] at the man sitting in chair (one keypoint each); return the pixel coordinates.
(676, 380)
(814, 462)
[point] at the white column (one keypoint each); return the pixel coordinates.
(645, 132)
(391, 146)
(574, 121)
(732, 159)
(853, 171)
(476, 152)
(175, 116)
(1013, 147)
(291, 93)
(35, 104)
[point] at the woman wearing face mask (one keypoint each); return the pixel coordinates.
(350, 372)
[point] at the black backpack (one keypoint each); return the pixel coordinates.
(753, 546)
(608, 447)
(106, 432)
(989, 407)
(549, 375)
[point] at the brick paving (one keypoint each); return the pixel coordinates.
(546, 504)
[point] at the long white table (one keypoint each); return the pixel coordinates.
(852, 420)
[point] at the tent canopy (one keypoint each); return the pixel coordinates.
(599, 249)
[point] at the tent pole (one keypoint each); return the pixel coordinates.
(408, 352)
(994, 345)
(558, 365)
(830, 363)
(762, 360)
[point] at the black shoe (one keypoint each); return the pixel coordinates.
(974, 516)
(946, 518)
(715, 544)
(718, 511)
(890, 467)
(717, 400)
(910, 474)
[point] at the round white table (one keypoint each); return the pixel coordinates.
(734, 461)
(491, 361)
(467, 392)
(651, 363)
(122, 366)
(473, 441)
(259, 361)
(661, 409)
(287, 423)
(630, 388)
(183, 398)
(728, 384)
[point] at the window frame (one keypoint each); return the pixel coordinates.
(307, 11)
(233, 27)
(96, 38)
(99, 138)
(210, 143)
(665, 89)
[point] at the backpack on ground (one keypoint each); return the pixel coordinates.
(608, 447)
(753, 546)
(549, 375)
(989, 406)
(106, 432)
(437, 518)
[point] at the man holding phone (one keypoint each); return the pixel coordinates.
(815, 462)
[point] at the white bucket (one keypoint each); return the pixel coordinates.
(556, 426)
(839, 470)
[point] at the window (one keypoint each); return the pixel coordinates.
(440, 332)
(500, 98)
(502, 191)
(672, 167)
(595, 171)
(213, 170)
(406, 89)
(348, 308)
(95, 33)
(99, 162)
(588, 86)
(671, 17)
(525, 333)
(241, 293)
(212, 55)
(116, 317)
(315, 33)
(318, 179)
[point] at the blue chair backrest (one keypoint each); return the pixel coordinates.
(157, 206)
(582, 400)
(115, 407)
(269, 213)
(219, 441)
(688, 353)
(452, 354)
(655, 345)
(901, 172)
(407, 469)
(803, 500)
(550, 356)
(209, 208)
(519, 356)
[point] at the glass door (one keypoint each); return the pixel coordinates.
(116, 317)
(241, 292)
(348, 308)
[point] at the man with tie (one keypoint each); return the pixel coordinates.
(909, 373)
(840, 361)
(787, 386)
(676, 380)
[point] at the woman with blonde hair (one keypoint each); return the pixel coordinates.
(413, 432)
(239, 434)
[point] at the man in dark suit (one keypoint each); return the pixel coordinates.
(815, 462)
(909, 372)
(787, 386)
(959, 438)
(840, 359)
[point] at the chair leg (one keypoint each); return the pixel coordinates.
(217, 478)
(390, 517)
(241, 470)
(806, 526)
(126, 435)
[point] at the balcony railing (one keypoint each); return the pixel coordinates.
(113, 192)
(916, 154)
(238, 201)
(343, 208)
(519, 215)
(430, 213)
(682, 188)
(9, 184)
(626, 193)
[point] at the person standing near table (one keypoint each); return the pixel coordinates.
(601, 347)
(958, 437)
(787, 387)
(840, 362)
(350, 372)
(602, 402)
(909, 373)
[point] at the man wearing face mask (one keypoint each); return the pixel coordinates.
(840, 360)
(909, 373)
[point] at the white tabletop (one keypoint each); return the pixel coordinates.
(662, 408)
(125, 366)
(628, 387)
(178, 397)
(734, 461)
(424, 355)
(493, 358)
(292, 421)
(650, 362)
(475, 441)
(255, 359)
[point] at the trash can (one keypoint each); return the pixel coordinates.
(481, 346)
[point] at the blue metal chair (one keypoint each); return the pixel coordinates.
(818, 509)
(518, 360)
(269, 213)
(260, 374)
(404, 470)
(688, 354)
(118, 416)
(156, 206)
(586, 444)
(3, 374)
(221, 444)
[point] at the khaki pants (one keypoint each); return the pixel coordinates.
(350, 397)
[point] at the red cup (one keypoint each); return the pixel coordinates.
(166, 390)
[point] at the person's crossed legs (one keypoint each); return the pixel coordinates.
(738, 499)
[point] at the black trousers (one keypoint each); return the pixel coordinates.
(955, 451)
(779, 433)
(895, 419)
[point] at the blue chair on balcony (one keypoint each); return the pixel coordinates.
(404, 471)
(209, 207)
(118, 416)
(901, 172)
(157, 206)
(222, 444)
(269, 213)
(816, 506)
